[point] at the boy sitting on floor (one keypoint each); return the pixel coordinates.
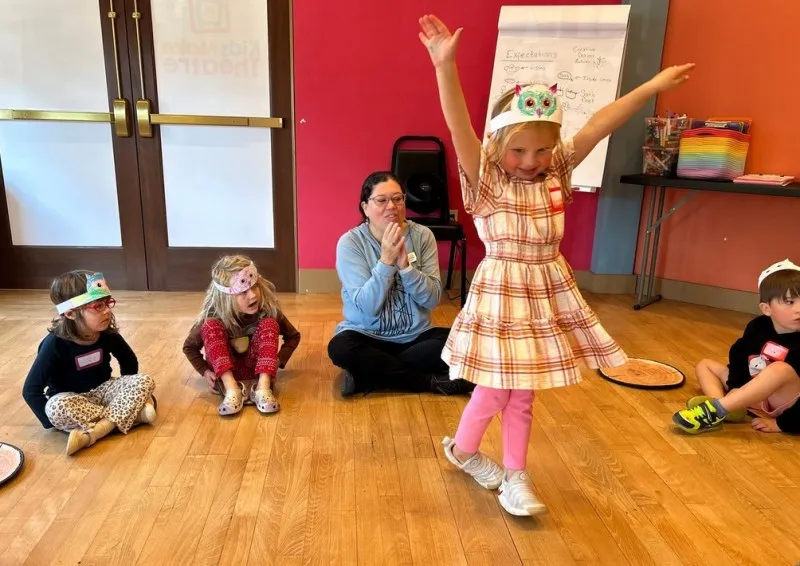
(762, 372)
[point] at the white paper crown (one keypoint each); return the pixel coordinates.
(780, 266)
(532, 103)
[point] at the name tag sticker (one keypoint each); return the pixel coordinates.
(556, 199)
(775, 351)
(89, 359)
(412, 257)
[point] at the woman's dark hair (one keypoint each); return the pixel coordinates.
(370, 182)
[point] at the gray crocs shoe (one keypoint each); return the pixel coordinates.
(232, 402)
(265, 401)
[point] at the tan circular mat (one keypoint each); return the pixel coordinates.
(644, 374)
(11, 459)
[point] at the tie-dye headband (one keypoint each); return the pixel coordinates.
(96, 289)
(241, 282)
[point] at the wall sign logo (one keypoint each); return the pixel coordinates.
(209, 16)
(209, 46)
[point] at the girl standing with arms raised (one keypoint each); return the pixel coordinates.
(525, 325)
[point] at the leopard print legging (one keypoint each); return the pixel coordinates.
(120, 399)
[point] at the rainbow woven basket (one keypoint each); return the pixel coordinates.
(712, 153)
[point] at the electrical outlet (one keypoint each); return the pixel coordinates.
(454, 215)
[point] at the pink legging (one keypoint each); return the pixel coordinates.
(517, 408)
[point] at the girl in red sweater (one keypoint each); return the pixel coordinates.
(239, 329)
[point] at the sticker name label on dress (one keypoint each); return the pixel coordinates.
(775, 351)
(89, 359)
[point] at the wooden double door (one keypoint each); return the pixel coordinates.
(144, 139)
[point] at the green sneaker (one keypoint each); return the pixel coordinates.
(736, 416)
(702, 418)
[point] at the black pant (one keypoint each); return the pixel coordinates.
(379, 364)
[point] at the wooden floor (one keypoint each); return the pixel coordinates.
(363, 480)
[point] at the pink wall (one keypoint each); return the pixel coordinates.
(362, 79)
(726, 240)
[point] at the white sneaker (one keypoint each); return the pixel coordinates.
(517, 497)
(483, 469)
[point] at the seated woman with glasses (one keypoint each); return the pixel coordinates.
(389, 270)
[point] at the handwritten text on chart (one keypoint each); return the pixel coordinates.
(588, 56)
(583, 73)
(531, 55)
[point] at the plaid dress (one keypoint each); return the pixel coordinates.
(525, 325)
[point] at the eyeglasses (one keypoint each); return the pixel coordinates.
(102, 304)
(383, 200)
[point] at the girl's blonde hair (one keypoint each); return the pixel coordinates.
(64, 287)
(222, 306)
(498, 142)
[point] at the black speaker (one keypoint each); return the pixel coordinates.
(418, 162)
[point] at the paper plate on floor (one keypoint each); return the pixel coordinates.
(11, 459)
(644, 374)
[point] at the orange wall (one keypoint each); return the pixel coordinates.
(744, 51)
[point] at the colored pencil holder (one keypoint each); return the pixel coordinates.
(712, 153)
(659, 161)
(664, 132)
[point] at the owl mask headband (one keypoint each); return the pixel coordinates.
(775, 267)
(96, 289)
(532, 103)
(241, 282)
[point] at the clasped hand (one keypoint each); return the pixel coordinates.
(393, 246)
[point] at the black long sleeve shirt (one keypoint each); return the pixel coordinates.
(747, 350)
(63, 366)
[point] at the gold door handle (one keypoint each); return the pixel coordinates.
(145, 119)
(54, 116)
(197, 120)
(143, 104)
(121, 117)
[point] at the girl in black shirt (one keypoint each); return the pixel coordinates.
(70, 386)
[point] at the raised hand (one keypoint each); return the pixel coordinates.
(438, 40)
(391, 243)
(671, 77)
